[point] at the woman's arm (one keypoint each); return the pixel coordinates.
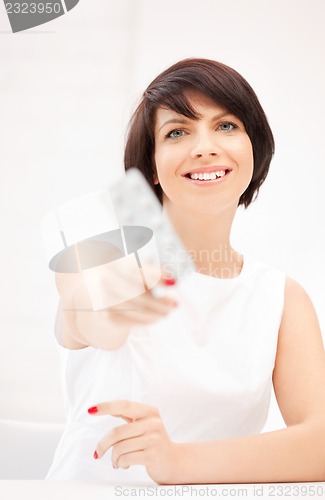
(79, 326)
(293, 454)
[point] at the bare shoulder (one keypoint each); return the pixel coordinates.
(298, 310)
(294, 291)
(299, 372)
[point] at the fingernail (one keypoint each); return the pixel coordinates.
(114, 466)
(92, 410)
(175, 304)
(169, 281)
(95, 455)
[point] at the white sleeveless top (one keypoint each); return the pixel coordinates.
(207, 367)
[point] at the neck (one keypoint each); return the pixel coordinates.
(207, 238)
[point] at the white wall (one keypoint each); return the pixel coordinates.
(67, 89)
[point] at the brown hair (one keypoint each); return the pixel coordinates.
(221, 84)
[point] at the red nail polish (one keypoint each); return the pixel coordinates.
(169, 281)
(92, 410)
(95, 455)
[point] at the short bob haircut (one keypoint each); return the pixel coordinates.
(224, 86)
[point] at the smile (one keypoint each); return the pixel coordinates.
(205, 177)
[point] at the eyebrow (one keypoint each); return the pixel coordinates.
(183, 121)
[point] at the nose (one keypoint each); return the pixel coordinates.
(204, 145)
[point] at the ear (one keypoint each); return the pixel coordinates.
(154, 174)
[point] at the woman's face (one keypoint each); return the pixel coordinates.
(204, 164)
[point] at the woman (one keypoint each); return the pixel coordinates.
(192, 379)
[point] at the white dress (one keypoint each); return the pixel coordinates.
(207, 367)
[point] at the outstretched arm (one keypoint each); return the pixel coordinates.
(78, 325)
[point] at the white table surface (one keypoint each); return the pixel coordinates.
(80, 490)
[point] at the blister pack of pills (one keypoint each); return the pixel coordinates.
(136, 205)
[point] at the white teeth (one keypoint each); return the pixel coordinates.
(211, 176)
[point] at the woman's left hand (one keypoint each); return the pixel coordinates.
(143, 440)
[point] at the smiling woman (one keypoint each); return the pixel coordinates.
(191, 377)
(172, 90)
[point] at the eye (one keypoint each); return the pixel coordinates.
(227, 126)
(175, 134)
